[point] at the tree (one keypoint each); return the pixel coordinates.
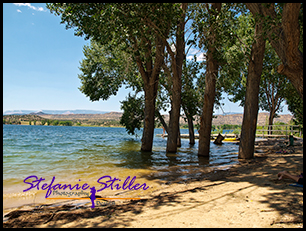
(176, 60)
(209, 33)
(295, 104)
(191, 94)
(127, 23)
(104, 69)
(133, 113)
(283, 29)
(250, 113)
(273, 85)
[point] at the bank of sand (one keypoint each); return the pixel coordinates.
(246, 195)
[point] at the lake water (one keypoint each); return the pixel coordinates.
(84, 154)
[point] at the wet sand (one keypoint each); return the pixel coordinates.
(245, 195)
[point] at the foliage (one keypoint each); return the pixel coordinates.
(236, 57)
(130, 26)
(273, 85)
(66, 123)
(55, 122)
(192, 93)
(295, 104)
(133, 113)
(104, 69)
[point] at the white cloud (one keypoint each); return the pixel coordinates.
(19, 11)
(30, 6)
(173, 48)
(200, 55)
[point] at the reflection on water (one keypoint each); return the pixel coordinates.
(87, 153)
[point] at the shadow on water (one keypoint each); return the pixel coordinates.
(175, 167)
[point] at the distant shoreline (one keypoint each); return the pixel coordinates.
(113, 119)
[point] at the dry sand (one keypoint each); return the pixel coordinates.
(246, 195)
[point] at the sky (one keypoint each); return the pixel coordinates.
(41, 60)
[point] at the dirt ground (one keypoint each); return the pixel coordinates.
(246, 195)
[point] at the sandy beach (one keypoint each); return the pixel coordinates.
(245, 195)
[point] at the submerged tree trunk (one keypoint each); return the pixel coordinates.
(191, 131)
(207, 112)
(179, 142)
(174, 120)
(150, 76)
(209, 93)
(163, 122)
(248, 130)
(190, 125)
(148, 127)
(177, 60)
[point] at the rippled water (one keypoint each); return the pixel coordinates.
(73, 154)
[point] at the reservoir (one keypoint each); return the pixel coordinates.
(84, 154)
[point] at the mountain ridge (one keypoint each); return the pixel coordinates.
(52, 112)
(106, 118)
(233, 119)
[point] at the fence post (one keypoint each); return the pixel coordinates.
(263, 128)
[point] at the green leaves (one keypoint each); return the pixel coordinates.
(133, 113)
(104, 70)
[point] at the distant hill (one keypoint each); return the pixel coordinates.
(81, 117)
(113, 118)
(237, 119)
(35, 112)
(220, 119)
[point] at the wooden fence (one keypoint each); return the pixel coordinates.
(280, 131)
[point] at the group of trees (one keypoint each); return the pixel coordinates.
(250, 51)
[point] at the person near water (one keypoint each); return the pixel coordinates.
(285, 174)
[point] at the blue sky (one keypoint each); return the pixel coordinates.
(41, 60)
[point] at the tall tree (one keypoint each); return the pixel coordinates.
(191, 94)
(126, 23)
(176, 59)
(273, 85)
(283, 30)
(249, 122)
(210, 81)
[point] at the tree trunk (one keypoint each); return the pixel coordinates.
(163, 122)
(190, 126)
(284, 38)
(148, 127)
(150, 77)
(174, 119)
(271, 117)
(207, 113)
(191, 131)
(176, 64)
(209, 94)
(248, 130)
(179, 142)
